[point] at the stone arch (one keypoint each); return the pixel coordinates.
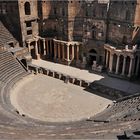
(27, 8)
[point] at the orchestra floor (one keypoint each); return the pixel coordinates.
(47, 99)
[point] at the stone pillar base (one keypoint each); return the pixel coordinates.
(37, 56)
(68, 63)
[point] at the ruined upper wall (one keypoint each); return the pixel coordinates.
(122, 10)
(137, 14)
(33, 9)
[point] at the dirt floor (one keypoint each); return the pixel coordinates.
(48, 99)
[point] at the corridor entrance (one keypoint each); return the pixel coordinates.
(92, 55)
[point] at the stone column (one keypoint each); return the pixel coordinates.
(51, 47)
(63, 51)
(44, 46)
(77, 53)
(117, 65)
(68, 57)
(47, 47)
(36, 49)
(106, 57)
(29, 47)
(111, 62)
(137, 67)
(72, 52)
(59, 55)
(55, 51)
(124, 65)
(130, 67)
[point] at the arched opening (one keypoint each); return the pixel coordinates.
(92, 56)
(27, 8)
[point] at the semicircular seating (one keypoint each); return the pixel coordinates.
(14, 125)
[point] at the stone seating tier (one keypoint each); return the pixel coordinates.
(5, 35)
(14, 125)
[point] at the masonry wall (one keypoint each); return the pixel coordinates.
(121, 21)
(54, 20)
(30, 30)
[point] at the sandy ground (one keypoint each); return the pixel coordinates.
(48, 99)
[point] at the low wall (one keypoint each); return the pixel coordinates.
(62, 76)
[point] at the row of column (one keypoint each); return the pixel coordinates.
(57, 51)
(36, 47)
(109, 58)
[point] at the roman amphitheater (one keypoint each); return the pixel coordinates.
(69, 69)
